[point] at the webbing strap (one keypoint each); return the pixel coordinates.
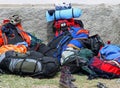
(35, 65)
(20, 69)
(73, 12)
(54, 16)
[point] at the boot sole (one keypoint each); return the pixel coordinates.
(61, 85)
(73, 80)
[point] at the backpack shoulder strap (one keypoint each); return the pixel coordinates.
(3, 38)
(24, 35)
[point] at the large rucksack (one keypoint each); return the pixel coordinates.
(13, 34)
(93, 43)
(104, 68)
(59, 43)
(32, 64)
(107, 64)
(79, 61)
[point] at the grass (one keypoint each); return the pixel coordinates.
(12, 81)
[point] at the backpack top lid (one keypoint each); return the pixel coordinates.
(78, 32)
(63, 22)
(110, 52)
(62, 25)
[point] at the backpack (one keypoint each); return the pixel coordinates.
(93, 43)
(32, 64)
(60, 26)
(59, 43)
(110, 52)
(6, 31)
(6, 34)
(104, 68)
(78, 62)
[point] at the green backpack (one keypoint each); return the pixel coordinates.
(79, 60)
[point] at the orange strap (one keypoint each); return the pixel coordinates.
(73, 46)
(24, 35)
(83, 31)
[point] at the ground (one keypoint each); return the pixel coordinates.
(12, 81)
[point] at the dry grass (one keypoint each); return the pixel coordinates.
(12, 81)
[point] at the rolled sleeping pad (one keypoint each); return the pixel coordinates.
(52, 15)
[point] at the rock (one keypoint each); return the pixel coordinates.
(99, 19)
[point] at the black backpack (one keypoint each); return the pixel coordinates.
(32, 64)
(93, 43)
(59, 43)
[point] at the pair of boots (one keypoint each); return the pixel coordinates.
(66, 78)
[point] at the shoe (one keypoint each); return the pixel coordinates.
(65, 79)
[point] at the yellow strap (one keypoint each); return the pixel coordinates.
(73, 46)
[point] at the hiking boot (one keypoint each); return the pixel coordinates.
(69, 73)
(65, 79)
(65, 82)
(66, 85)
(66, 69)
(72, 78)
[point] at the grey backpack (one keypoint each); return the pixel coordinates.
(32, 64)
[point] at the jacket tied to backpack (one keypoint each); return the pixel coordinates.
(17, 48)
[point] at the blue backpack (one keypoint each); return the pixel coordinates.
(110, 52)
(59, 43)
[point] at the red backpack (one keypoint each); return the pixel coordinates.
(60, 26)
(105, 68)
